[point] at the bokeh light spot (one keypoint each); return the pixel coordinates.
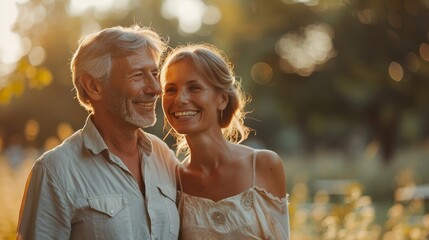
(396, 71)
(51, 142)
(30, 72)
(64, 130)
(31, 130)
(304, 51)
(367, 16)
(212, 15)
(10, 48)
(36, 56)
(191, 14)
(261, 72)
(44, 77)
(77, 7)
(424, 51)
(306, 2)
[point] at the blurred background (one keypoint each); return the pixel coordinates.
(340, 90)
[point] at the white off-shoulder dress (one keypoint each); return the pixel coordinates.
(252, 214)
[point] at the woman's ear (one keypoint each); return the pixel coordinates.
(222, 99)
(92, 86)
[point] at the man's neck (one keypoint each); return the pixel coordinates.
(120, 138)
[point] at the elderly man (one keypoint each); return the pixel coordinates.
(109, 180)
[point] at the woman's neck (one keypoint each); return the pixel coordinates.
(208, 152)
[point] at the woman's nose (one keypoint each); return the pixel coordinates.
(182, 97)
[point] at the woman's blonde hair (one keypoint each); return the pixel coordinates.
(213, 66)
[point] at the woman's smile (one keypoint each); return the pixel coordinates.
(185, 114)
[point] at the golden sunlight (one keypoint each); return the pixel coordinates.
(101, 8)
(10, 47)
(191, 14)
(304, 51)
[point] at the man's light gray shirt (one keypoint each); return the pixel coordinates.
(80, 190)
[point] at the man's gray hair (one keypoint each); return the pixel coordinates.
(97, 50)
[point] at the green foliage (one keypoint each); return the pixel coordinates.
(25, 74)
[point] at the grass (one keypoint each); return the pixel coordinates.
(12, 183)
(333, 196)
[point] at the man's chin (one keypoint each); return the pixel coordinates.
(143, 123)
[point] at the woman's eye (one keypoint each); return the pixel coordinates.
(195, 88)
(169, 90)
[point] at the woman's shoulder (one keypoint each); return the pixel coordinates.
(270, 173)
(269, 164)
(268, 157)
(264, 158)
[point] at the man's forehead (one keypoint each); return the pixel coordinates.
(142, 56)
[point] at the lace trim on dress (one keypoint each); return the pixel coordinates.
(271, 196)
(244, 194)
(245, 197)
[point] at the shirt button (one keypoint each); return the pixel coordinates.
(111, 211)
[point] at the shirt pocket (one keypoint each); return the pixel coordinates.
(110, 216)
(168, 194)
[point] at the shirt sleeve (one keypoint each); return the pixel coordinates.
(44, 211)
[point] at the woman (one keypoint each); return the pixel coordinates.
(227, 190)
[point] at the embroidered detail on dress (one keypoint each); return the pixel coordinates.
(218, 218)
(247, 201)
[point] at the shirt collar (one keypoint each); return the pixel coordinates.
(144, 142)
(94, 142)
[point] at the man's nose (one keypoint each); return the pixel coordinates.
(152, 86)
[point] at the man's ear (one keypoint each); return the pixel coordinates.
(222, 99)
(92, 86)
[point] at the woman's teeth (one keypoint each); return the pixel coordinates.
(185, 114)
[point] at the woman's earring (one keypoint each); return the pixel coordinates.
(221, 116)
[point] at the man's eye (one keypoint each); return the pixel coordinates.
(138, 75)
(155, 74)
